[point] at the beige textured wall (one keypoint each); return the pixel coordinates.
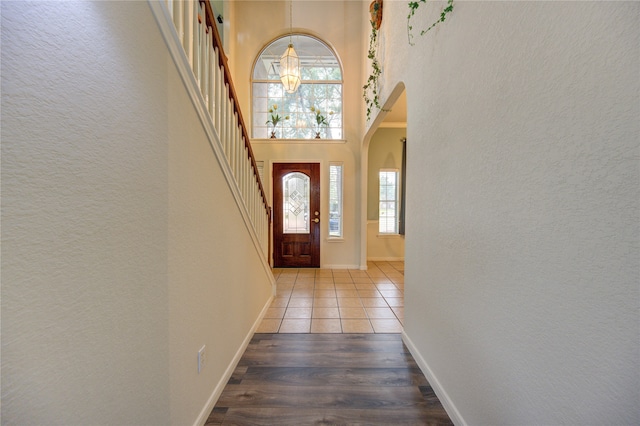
(84, 218)
(521, 285)
(122, 249)
(217, 283)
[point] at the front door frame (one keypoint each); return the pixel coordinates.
(315, 227)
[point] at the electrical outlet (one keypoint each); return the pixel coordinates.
(202, 358)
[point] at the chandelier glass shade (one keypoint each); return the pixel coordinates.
(290, 70)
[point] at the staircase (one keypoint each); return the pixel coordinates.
(193, 40)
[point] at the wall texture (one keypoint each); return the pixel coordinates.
(84, 216)
(218, 285)
(122, 248)
(522, 265)
(523, 204)
(257, 23)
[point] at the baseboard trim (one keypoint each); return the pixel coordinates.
(385, 259)
(217, 391)
(340, 266)
(443, 396)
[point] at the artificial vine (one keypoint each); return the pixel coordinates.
(376, 71)
(414, 5)
(370, 89)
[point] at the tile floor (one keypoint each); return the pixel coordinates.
(337, 300)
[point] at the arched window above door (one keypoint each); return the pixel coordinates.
(319, 93)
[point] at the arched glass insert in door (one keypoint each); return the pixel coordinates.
(296, 188)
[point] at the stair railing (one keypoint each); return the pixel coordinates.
(194, 26)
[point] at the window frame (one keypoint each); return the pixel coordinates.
(340, 200)
(287, 203)
(395, 201)
(304, 128)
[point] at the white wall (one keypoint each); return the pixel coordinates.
(122, 250)
(256, 23)
(522, 268)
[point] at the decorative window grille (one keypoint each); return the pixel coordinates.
(321, 88)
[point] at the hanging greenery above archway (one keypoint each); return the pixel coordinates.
(414, 5)
(370, 89)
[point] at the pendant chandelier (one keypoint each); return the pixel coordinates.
(289, 61)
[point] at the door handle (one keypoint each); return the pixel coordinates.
(316, 220)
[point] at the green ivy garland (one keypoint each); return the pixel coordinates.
(372, 81)
(371, 87)
(414, 5)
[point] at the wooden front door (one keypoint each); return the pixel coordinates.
(296, 218)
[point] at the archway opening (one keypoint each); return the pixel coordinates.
(383, 151)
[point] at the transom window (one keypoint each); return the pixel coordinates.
(320, 89)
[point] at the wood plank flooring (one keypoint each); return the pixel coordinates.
(327, 379)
